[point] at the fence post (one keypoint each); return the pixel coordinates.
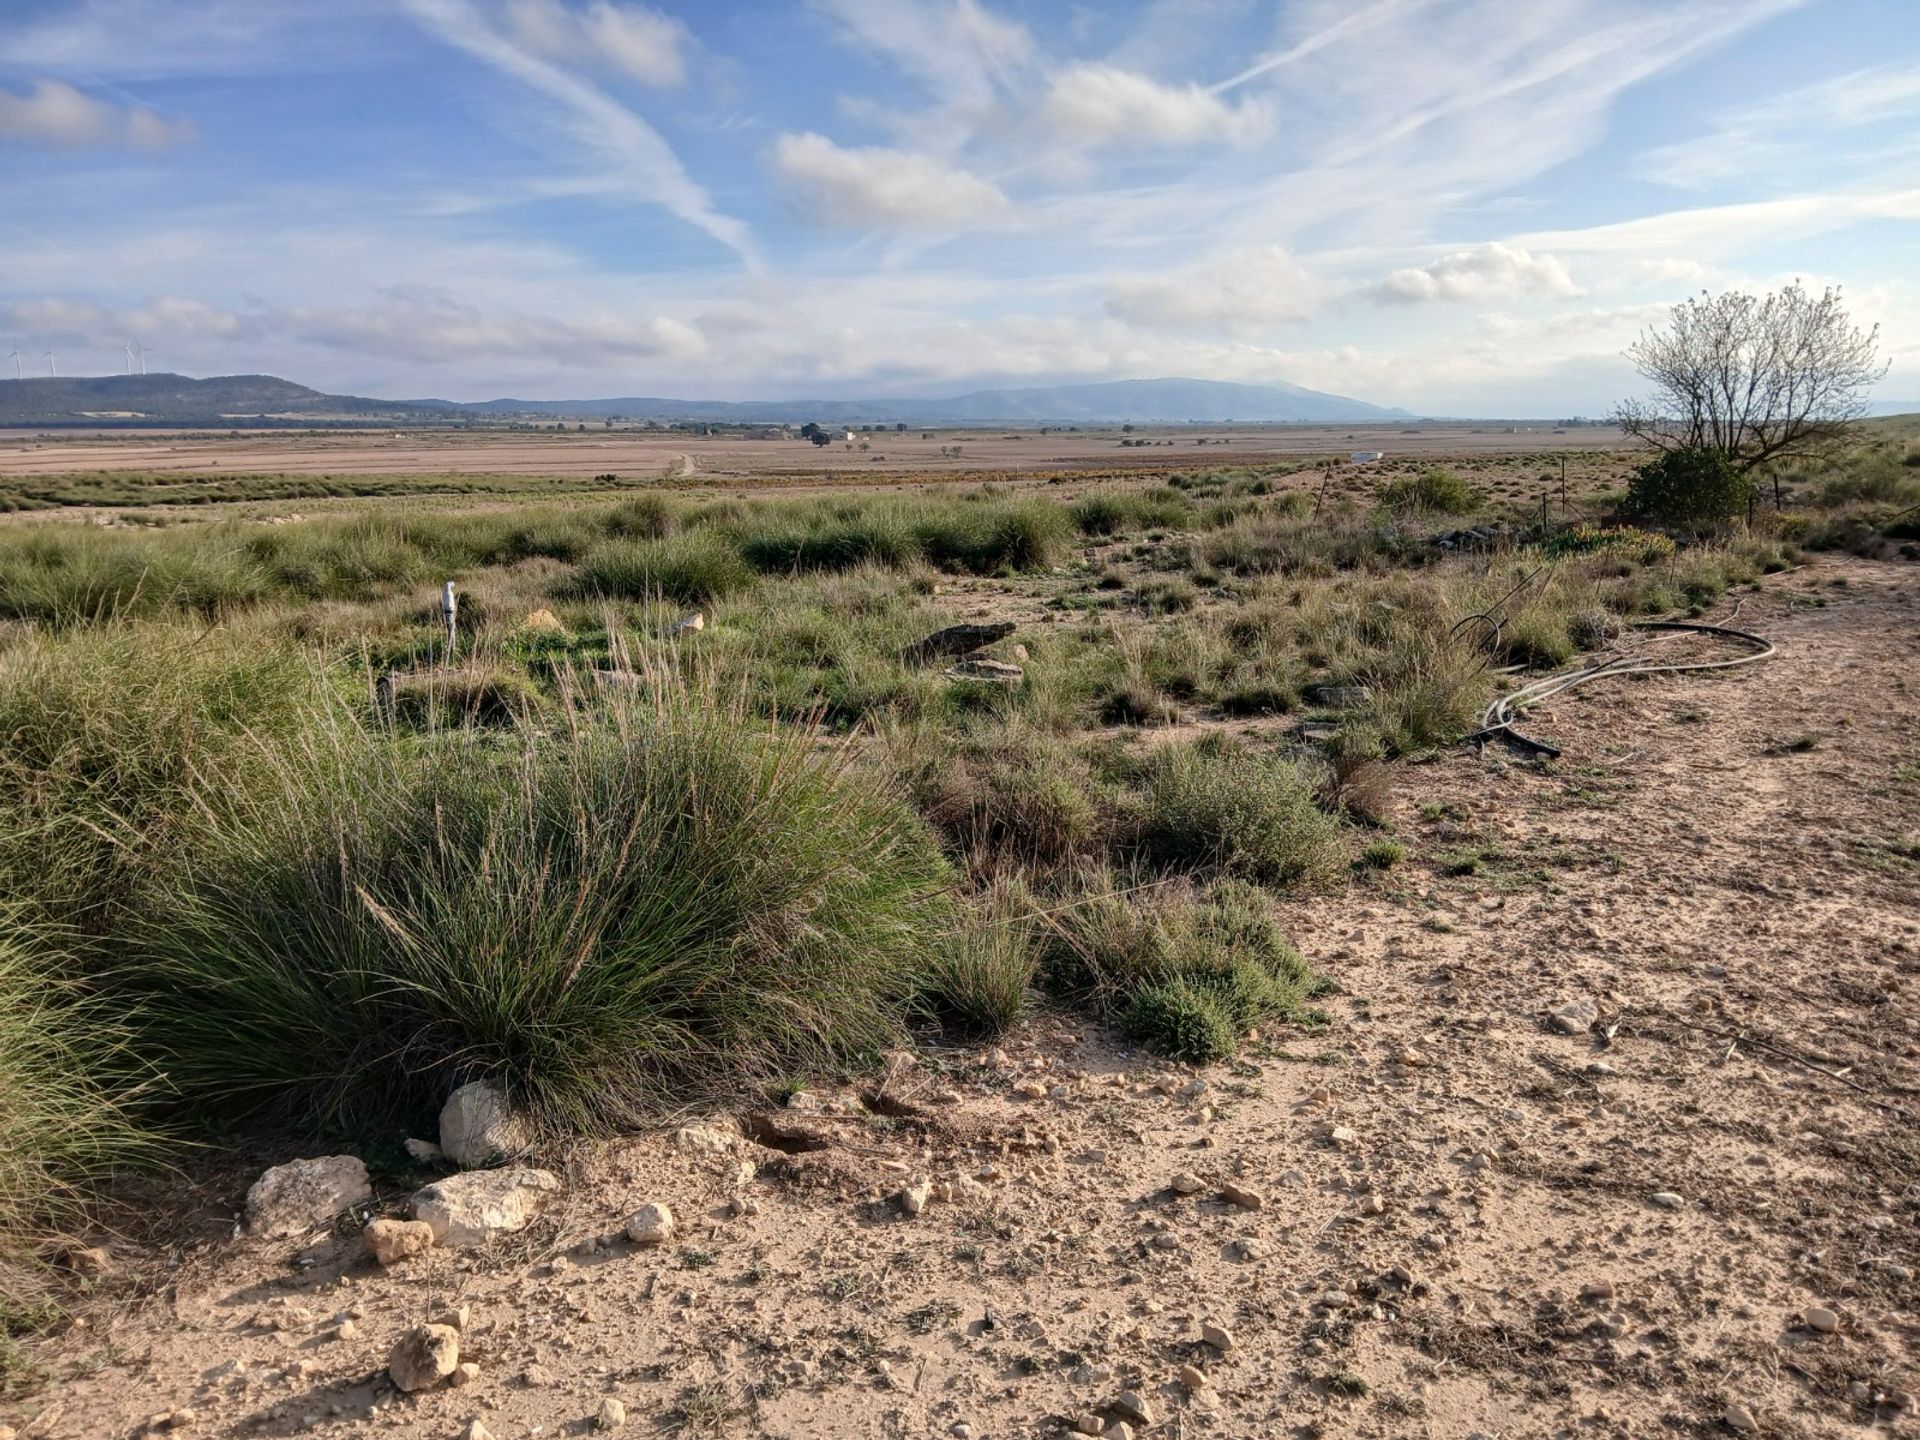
(449, 612)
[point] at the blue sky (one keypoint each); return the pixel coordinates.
(1458, 206)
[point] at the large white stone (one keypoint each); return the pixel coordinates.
(478, 1127)
(469, 1208)
(303, 1195)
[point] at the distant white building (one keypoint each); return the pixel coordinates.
(1365, 457)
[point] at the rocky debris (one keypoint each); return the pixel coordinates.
(688, 624)
(956, 640)
(391, 1241)
(1218, 1336)
(1186, 1183)
(1597, 1290)
(1088, 1423)
(470, 1208)
(1132, 1405)
(1243, 1197)
(705, 1140)
(1667, 1200)
(424, 1356)
(1820, 1319)
(464, 1374)
(303, 1195)
(476, 1431)
(651, 1224)
(996, 672)
(610, 1416)
(425, 1151)
(478, 1127)
(1577, 1016)
(1246, 1247)
(1193, 1378)
(914, 1198)
(1740, 1418)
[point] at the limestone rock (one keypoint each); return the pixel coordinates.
(611, 1415)
(469, 1208)
(391, 1241)
(705, 1139)
(477, 1126)
(1218, 1336)
(303, 1195)
(651, 1225)
(425, 1151)
(1243, 1197)
(424, 1356)
(1577, 1016)
(914, 1198)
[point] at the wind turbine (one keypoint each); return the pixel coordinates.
(128, 348)
(15, 357)
(53, 361)
(141, 351)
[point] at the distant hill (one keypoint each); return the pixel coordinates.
(179, 400)
(239, 400)
(1144, 402)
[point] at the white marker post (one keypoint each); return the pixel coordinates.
(449, 612)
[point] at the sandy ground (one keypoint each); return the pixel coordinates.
(632, 454)
(1468, 1222)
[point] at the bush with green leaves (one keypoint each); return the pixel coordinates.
(1433, 490)
(660, 897)
(688, 569)
(1217, 806)
(1689, 489)
(1186, 972)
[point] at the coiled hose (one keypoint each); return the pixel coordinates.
(1499, 718)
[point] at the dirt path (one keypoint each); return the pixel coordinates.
(1468, 1222)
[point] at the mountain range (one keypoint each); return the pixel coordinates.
(242, 400)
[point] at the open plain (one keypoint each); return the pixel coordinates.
(1601, 1118)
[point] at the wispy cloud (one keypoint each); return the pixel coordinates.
(634, 40)
(1104, 105)
(1815, 125)
(634, 148)
(55, 113)
(877, 187)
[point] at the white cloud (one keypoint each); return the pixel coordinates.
(1246, 290)
(1812, 125)
(1103, 105)
(54, 113)
(1494, 271)
(633, 39)
(874, 187)
(639, 154)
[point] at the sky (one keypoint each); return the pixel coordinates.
(1456, 206)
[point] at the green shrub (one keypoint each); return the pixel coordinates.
(1689, 489)
(979, 985)
(1643, 547)
(986, 538)
(690, 569)
(1182, 1021)
(1382, 854)
(659, 897)
(646, 517)
(1186, 973)
(1438, 491)
(1251, 815)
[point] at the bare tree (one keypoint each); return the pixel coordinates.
(1755, 378)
